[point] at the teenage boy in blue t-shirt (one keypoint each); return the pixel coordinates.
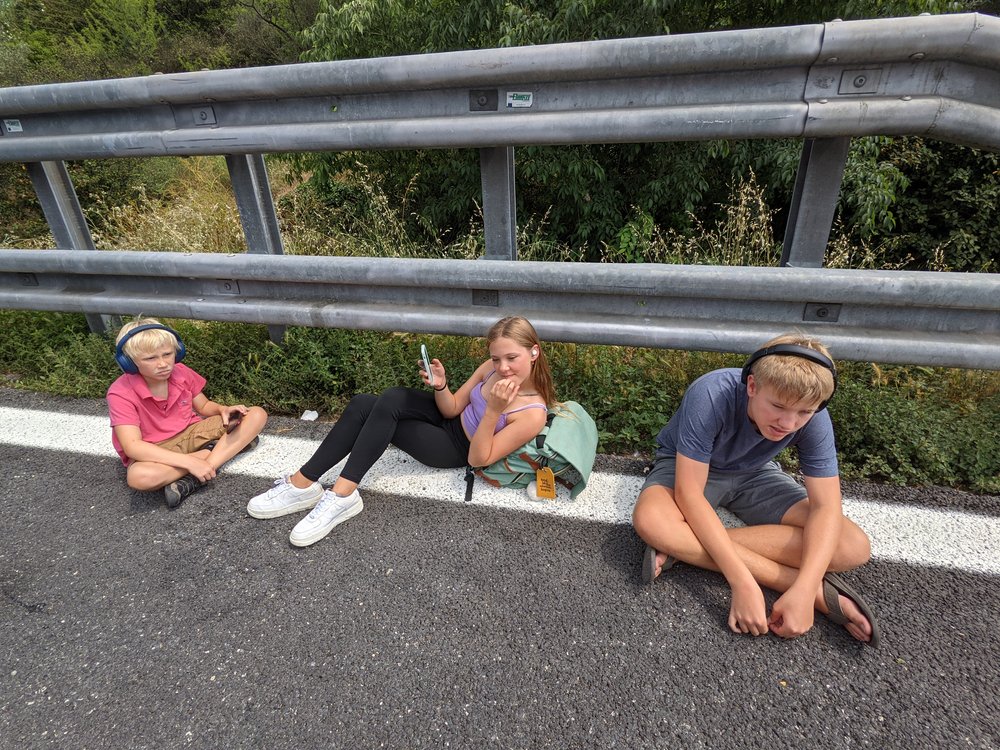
(718, 450)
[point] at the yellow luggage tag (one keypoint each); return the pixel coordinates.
(545, 483)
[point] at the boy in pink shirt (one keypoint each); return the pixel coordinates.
(168, 433)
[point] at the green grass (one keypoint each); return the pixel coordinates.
(912, 425)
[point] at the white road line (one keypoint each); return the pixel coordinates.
(914, 535)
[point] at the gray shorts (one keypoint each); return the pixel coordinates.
(761, 496)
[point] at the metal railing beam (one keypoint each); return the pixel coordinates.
(934, 76)
(888, 316)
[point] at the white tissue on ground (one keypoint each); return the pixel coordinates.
(310, 416)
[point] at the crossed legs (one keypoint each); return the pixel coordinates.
(772, 552)
(152, 475)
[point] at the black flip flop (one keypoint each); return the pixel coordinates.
(833, 586)
(649, 564)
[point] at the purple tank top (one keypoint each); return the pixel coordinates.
(472, 414)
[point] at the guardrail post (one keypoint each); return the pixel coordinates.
(814, 201)
(252, 190)
(499, 210)
(65, 218)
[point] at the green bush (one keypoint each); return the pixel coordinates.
(913, 425)
(892, 433)
(20, 215)
(54, 353)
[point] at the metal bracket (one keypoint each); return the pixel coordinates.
(821, 312)
(484, 100)
(229, 286)
(486, 297)
(204, 115)
(863, 81)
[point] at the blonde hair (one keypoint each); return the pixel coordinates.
(520, 331)
(145, 342)
(796, 377)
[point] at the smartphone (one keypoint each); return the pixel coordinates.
(234, 421)
(426, 365)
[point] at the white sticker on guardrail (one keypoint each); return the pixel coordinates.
(13, 126)
(519, 99)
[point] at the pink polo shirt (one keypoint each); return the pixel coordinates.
(130, 402)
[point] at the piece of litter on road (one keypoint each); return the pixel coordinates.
(309, 415)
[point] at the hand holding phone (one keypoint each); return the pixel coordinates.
(425, 365)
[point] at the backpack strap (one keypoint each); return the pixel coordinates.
(470, 477)
(540, 437)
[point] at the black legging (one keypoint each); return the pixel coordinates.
(406, 417)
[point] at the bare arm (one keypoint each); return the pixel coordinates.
(822, 530)
(794, 611)
(487, 447)
(139, 450)
(747, 613)
(451, 404)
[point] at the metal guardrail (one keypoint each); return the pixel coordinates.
(886, 316)
(932, 76)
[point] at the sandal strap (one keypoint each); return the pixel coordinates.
(832, 598)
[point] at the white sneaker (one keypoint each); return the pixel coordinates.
(332, 510)
(284, 498)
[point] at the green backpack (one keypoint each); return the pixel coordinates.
(567, 444)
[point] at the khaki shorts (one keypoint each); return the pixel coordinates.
(194, 437)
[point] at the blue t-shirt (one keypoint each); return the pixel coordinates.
(712, 426)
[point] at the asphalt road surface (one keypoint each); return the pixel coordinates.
(426, 622)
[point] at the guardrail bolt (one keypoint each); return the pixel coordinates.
(860, 81)
(484, 100)
(822, 312)
(203, 115)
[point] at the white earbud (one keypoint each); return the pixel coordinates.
(534, 352)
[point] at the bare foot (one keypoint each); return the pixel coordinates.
(661, 558)
(858, 627)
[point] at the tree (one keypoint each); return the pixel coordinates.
(270, 32)
(119, 37)
(589, 193)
